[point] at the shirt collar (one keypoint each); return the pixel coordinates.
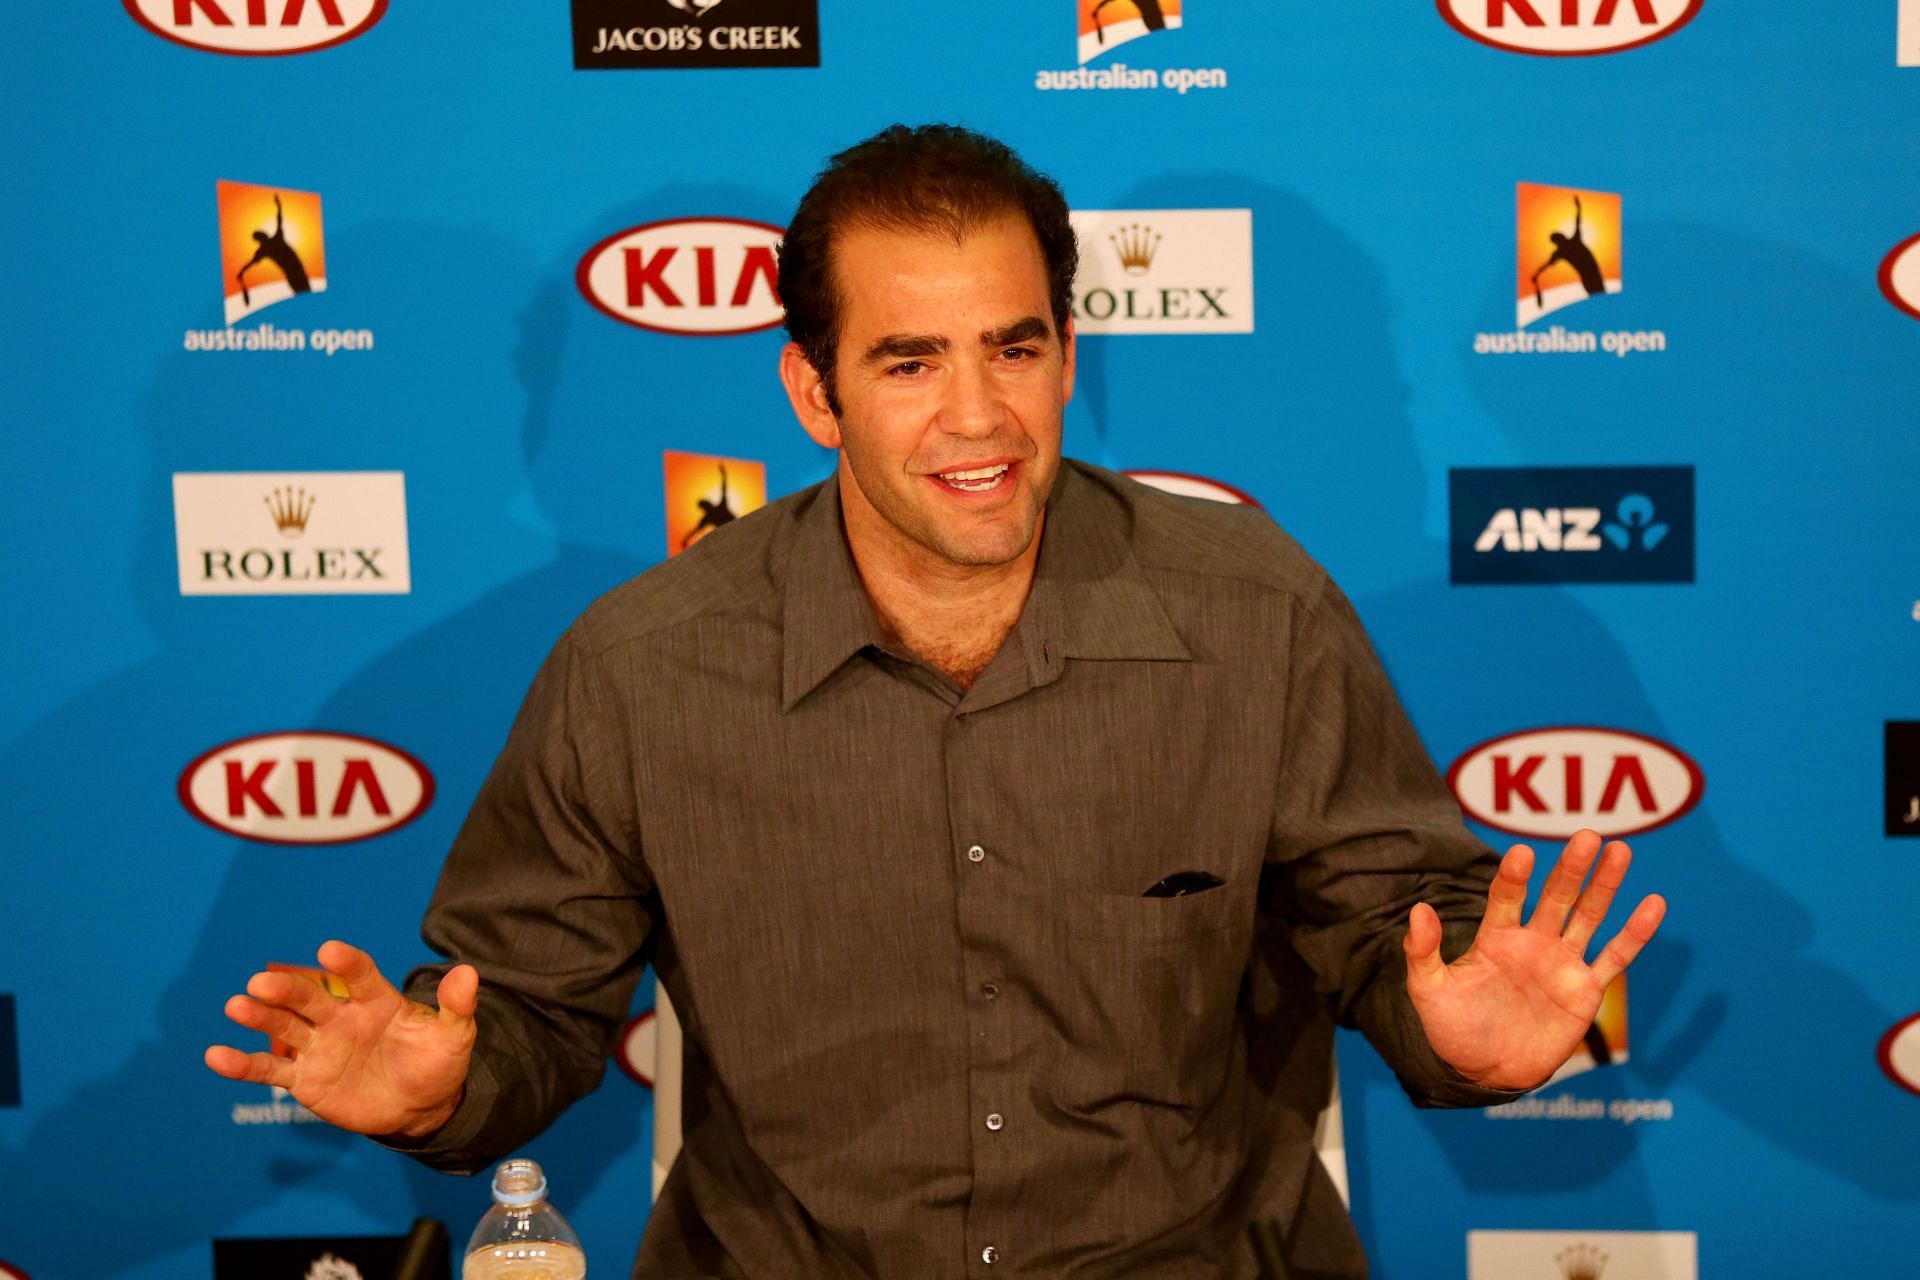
(1090, 598)
(826, 616)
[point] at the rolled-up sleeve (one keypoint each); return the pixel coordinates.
(1365, 828)
(547, 895)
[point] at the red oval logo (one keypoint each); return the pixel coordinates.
(306, 787)
(257, 28)
(1900, 276)
(1567, 28)
(10, 1272)
(638, 1049)
(1191, 486)
(1900, 1054)
(1549, 783)
(701, 277)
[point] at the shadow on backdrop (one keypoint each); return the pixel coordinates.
(1323, 437)
(1770, 1015)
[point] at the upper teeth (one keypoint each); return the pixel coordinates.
(984, 473)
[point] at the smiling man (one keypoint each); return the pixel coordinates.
(1072, 816)
(948, 359)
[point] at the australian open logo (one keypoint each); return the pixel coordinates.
(1568, 252)
(1105, 26)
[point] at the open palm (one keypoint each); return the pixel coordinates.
(1511, 1010)
(375, 1062)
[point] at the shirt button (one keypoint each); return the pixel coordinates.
(989, 1255)
(989, 990)
(994, 1121)
(976, 854)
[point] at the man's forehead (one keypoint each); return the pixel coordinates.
(886, 274)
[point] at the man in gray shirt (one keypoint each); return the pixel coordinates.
(1008, 835)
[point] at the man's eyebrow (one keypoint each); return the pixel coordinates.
(1023, 330)
(905, 346)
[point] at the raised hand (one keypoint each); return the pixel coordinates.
(1511, 1010)
(375, 1062)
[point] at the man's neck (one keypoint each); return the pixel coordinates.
(953, 616)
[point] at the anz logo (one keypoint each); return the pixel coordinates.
(1574, 528)
(1531, 525)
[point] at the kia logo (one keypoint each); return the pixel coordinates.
(1900, 1054)
(306, 788)
(1900, 276)
(1549, 783)
(10, 1272)
(259, 28)
(707, 277)
(639, 1048)
(1188, 486)
(1567, 28)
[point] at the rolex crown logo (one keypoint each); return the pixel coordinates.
(291, 509)
(1137, 245)
(1581, 1262)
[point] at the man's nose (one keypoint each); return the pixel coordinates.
(974, 407)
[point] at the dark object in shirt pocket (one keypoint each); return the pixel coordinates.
(1182, 884)
(1155, 919)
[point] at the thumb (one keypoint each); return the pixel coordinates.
(1425, 969)
(459, 993)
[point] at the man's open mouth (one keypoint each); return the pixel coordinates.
(977, 480)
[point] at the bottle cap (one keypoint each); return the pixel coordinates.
(519, 1182)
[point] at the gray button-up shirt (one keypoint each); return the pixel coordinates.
(933, 1027)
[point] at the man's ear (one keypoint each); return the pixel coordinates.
(1069, 352)
(808, 395)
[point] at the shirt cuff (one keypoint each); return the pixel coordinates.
(1432, 1081)
(448, 1147)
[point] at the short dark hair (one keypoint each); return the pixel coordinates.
(936, 178)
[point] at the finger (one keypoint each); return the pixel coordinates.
(252, 1068)
(297, 993)
(1508, 892)
(1562, 888)
(1619, 953)
(1598, 899)
(296, 1032)
(1422, 943)
(459, 993)
(355, 968)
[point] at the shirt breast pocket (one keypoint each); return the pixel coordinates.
(1156, 984)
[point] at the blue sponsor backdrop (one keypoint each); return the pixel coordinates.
(465, 167)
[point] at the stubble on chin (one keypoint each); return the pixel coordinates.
(980, 548)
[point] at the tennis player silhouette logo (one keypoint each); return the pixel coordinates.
(714, 512)
(1570, 249)
(1579, 232)
(272, 246)
(1107, 24)
(275, 249)
(705, 493)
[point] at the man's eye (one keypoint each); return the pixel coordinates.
(906, 368)
(1017, 354)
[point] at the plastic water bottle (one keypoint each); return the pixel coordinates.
(523, 1237)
